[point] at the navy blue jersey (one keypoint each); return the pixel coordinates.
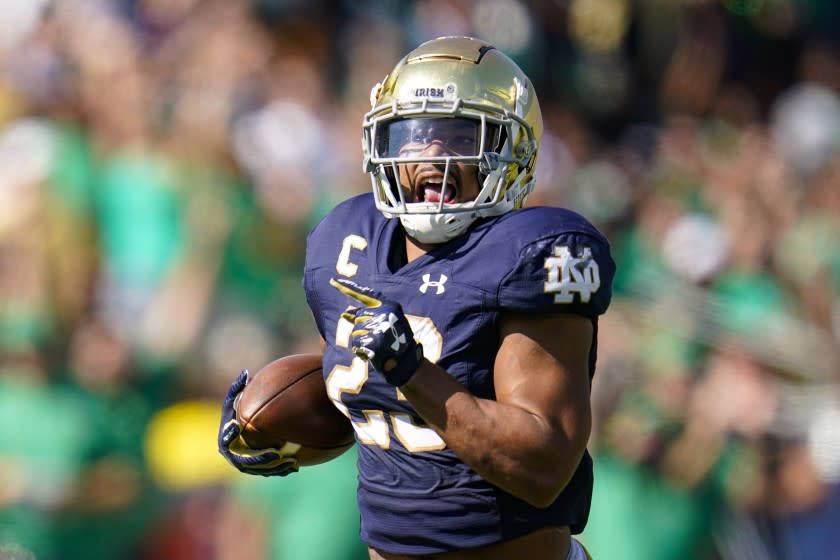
(415, 495)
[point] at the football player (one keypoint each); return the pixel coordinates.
(459, 328)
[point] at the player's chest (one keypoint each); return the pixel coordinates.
(453, 321)
(457, 332)
(444, 313)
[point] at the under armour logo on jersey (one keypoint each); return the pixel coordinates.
(437, 284)
(568, 275)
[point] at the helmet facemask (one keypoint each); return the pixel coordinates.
(504, 178)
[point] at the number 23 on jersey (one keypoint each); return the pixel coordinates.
(378, 426)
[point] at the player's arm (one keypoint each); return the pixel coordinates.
(530, 440)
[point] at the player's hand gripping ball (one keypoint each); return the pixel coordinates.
(381, 333)
(265, 462)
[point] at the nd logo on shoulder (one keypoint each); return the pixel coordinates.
(569, 275)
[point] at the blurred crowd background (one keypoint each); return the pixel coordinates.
(161, 162)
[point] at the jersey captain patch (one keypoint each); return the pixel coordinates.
(569, 275)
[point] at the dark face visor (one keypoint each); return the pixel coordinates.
(457, 136)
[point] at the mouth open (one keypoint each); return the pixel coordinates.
(430, 188)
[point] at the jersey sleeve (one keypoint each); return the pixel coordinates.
(571, 272)
(321, 255)
(324, 245)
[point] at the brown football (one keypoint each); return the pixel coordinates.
(286, 402)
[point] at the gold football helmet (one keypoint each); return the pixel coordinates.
(477, 103)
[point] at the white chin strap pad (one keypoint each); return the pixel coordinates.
(436, 228)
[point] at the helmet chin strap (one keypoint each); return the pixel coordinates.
(436, 228)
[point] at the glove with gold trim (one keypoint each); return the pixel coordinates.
(381, 333)
(264, 462)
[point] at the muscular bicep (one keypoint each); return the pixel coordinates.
(529, 440)
(543, 367)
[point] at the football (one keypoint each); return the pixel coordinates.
(286, 402)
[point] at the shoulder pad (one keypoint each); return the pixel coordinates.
(565, 266)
